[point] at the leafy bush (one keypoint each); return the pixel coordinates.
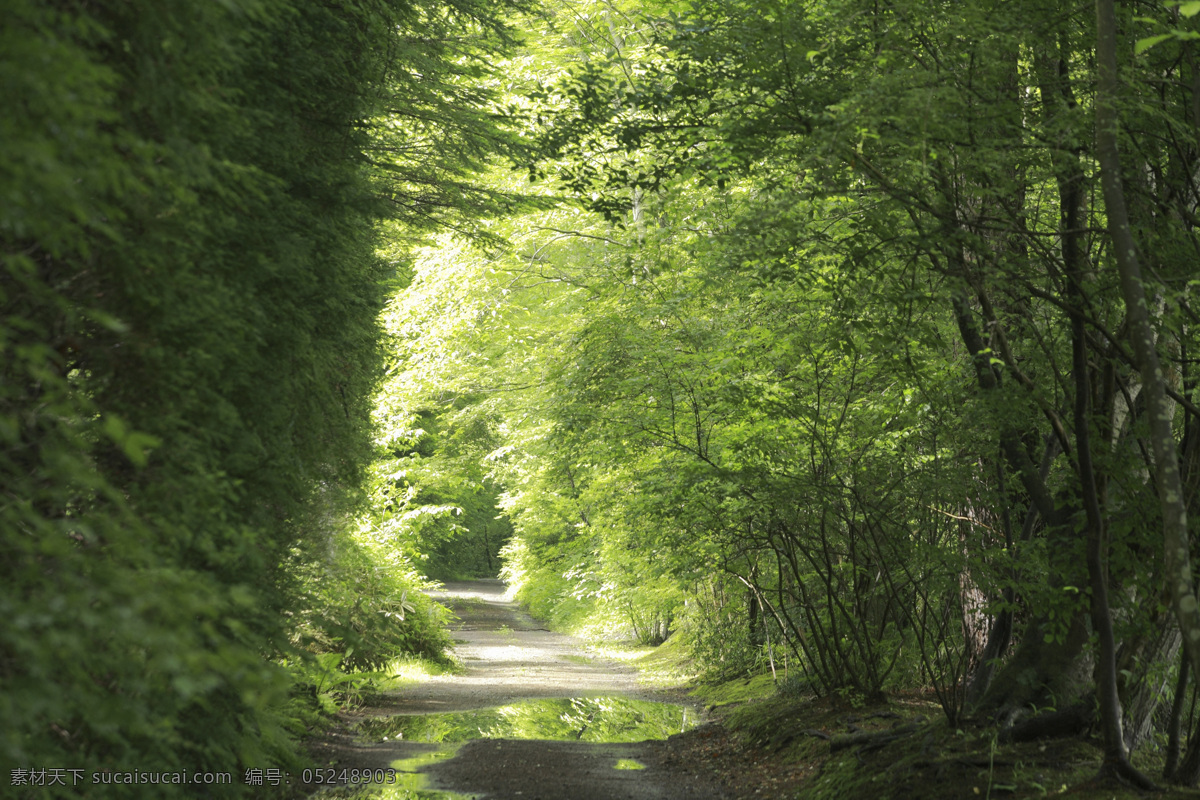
(717, 629)
(367, 610)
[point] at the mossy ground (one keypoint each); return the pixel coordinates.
(781, 747)
(667, 666)
(737, 691)
(769, 744)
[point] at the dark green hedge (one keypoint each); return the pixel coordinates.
(188, 344)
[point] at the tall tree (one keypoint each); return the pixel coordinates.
(960, 140)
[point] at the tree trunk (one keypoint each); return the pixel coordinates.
(1162, 438)
(1142, 698)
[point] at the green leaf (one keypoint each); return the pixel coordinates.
(1190, 9)
(1145, 44)
(106, 320)
(136, 445)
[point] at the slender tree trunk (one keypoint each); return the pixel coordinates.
(1175, 726)
(1070, 185)
(1116, 756)
(487, 549)
(1162, 439)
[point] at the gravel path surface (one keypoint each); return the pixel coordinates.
(510, 657)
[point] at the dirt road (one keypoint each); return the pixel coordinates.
(532, 715)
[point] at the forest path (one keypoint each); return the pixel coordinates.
(508, 656)
(510, 660)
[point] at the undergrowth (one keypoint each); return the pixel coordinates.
(903, 749)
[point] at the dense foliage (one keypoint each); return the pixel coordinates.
(834, 365)
(189, 347)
